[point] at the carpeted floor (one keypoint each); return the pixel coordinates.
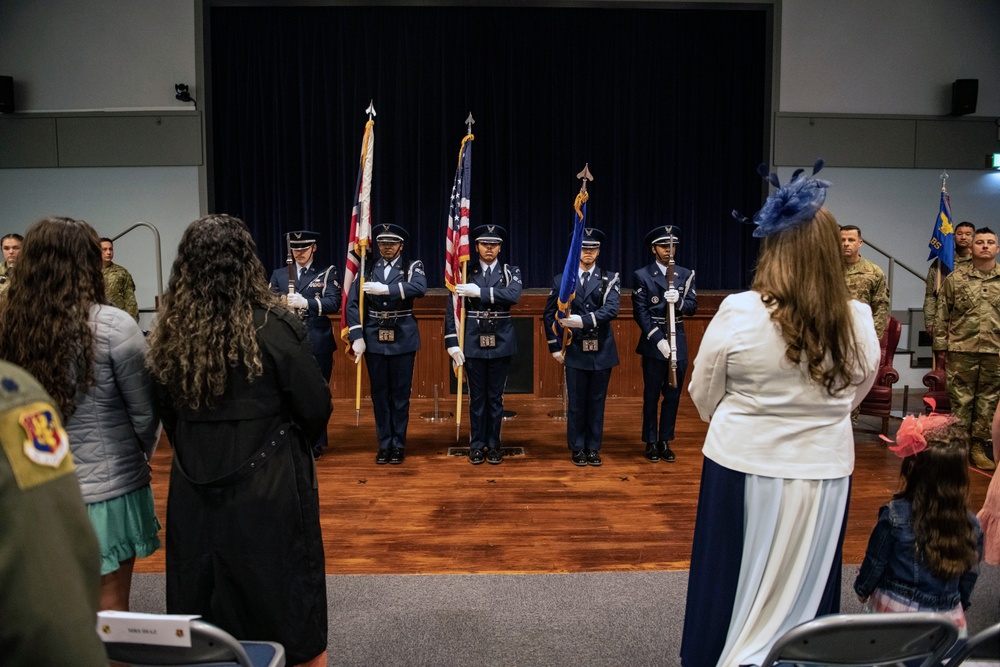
(541, 619)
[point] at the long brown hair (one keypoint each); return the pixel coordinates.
(936, 482)
(43, 315)
(205, 329)
(800, 276)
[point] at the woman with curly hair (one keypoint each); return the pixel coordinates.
(56, 323)
(777, 374)
(242, 398)
(924, 552)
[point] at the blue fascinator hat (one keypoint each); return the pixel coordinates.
(791, 204)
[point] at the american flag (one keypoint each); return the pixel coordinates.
(361, 223)
(457, 242)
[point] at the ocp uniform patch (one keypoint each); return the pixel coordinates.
(36, 444)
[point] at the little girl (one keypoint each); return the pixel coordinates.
(924, 552)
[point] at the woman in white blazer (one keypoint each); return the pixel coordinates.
(777, 374)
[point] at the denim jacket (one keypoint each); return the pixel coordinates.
(892, 563)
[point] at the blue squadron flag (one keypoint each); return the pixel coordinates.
(942, 243)
(567, 289)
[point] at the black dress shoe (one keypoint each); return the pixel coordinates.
(665, 452)
(494, 456)
(593, 457)
(476, 456)
(579, 458)
(396, 456)
(382, 456)
(652, 453)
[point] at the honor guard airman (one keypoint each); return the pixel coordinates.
(652, 293)
(591, 353)
(316, 295)
(389, 338)
(491, 290)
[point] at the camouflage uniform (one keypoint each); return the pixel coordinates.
(931, 289)
(866, 283)
(969, 329)
(4, 277)
(120, 289)
(50, 564)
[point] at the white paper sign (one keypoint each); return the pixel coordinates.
(133, 628)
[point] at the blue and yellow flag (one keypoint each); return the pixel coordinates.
(942, 243)
(567, 289)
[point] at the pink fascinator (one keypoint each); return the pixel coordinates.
(910, 438)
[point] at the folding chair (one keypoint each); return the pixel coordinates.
(984, 648)
(866, 639)
(210, 645)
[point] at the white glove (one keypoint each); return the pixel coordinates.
(297, 301)
(664, 347)
(378, 289)
(558, 357)
(572, 322)
(671, 296)
(468, 290)
(359, 348)
(457, 357)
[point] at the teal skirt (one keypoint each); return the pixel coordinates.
(126, 526)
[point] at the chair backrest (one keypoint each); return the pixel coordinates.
(866, 639)
(209, 644)
(890, 341)
(983, 646)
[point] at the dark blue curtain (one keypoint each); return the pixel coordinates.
(669, 107)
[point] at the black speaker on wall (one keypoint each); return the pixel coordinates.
(963, 96)
(6, 94)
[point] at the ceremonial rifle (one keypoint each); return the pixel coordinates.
(670, 316)
(291, 272)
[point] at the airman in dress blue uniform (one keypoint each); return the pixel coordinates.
(491, 290)
(591, 354)
(317, 295)
(650, 296)
(389, 338)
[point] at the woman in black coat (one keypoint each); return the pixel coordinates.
(242, 398)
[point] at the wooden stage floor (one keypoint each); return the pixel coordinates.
(438, 514)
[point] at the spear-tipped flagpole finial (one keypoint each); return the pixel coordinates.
(469, 122)
(944, 181)
(371, 110)
(585, 176)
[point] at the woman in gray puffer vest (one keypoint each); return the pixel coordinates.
(55, 322)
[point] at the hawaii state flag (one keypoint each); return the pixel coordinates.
(457, 241)
(567, 289)
(942, 243)
(361, 223)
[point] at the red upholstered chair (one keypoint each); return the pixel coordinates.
(878, 402)
(937, 386)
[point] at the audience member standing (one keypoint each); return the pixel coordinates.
(924, 552)
(651, 292)
(389, 336)
(49, 559)
(932, 284)
(491, 290)
(118, 284)
(968, 329)
(591, 354)
(317, 295)
(11, 245)
(865, 280)
(778, 371)
(90, 357)
(242, 401)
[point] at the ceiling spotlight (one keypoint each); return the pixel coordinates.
(182, 93)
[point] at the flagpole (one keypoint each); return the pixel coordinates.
(361, 292)
(461, 346)
(937, 261)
